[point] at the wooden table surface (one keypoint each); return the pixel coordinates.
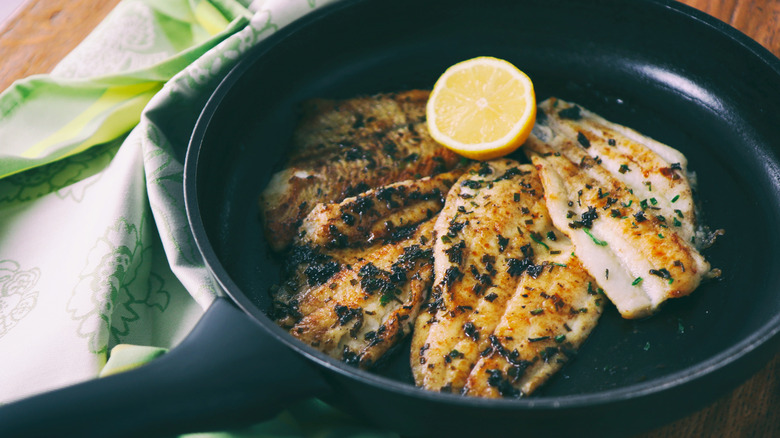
(41, 32)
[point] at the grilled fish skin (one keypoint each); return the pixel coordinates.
(376, 214)
(359, 270)
(625, 202)
(344, 147)
(368, 306)
(494, 231)
(545, 323)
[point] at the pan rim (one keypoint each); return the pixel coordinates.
(761, 340)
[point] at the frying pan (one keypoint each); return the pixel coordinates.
(659, 67)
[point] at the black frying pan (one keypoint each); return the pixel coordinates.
(656, 66)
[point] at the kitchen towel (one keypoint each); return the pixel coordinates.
(98, 269)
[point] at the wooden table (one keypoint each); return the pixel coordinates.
(41, 32)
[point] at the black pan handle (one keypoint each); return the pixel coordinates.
(227, 373)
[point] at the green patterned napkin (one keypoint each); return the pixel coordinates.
(95, 249)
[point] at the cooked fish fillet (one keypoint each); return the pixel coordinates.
(368, 306)
(360, 270)
(625, 202)
(376, 214)
(493, 235)
(342, 148)
(546, 321)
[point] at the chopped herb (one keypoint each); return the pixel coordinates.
(679, 213)
(386, 297)
(540, 338)
(471, 331)
(630, 201)
(615, 213)
(484, 169)
(537, 311)
(676, 222)
(647, 346)
(517, 197)
(676, 166)
(663, 273)
(560, 338)
(643, 204)
(502, 243)
(624, 169)
(653, 201)
(455, 252)
(551, 236)
(660, 218)
(595, 240)
(472, 184)
(675, 198)
(571, 113)
(581, 139)
(636, 281)
(536, 238)
(560, 264)
(649, 185)
(446, 239)
(587, 219)
(611, 142)
(660, 236)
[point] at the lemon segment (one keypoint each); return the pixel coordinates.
(482, 108)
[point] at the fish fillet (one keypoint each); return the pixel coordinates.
(342, 148)
(360, 270)
(625, 202)
(509, 299)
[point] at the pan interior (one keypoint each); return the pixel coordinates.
(635, 63)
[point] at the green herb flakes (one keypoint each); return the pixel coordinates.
(595, 240)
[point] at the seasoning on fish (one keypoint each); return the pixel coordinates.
(625, 202)
(344, 147)
(360, 270)
(509, 301)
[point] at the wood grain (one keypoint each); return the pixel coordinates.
(43, 31)
(759, 19)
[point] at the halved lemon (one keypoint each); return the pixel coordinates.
(482, 108)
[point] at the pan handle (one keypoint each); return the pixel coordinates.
(227, 373)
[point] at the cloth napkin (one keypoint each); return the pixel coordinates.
(98, 269)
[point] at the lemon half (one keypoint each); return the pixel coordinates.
(482, 108)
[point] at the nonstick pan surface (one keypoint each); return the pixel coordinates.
(659, 67)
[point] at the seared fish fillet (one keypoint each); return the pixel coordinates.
(510, 302)
(360, 270)
(342, 148)
(625, 202)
